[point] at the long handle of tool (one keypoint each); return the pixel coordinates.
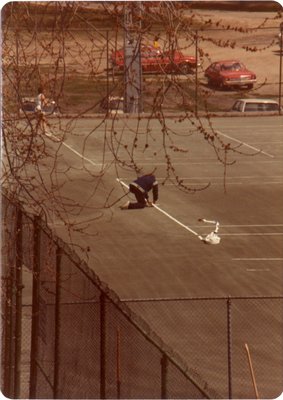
(177, 222)
(167, 215)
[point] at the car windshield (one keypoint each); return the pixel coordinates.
(149, 54)
(232, 67)
(28, 106)
(237, 106)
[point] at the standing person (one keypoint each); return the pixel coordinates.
(40, 101)
(140, 188)
(156, 44)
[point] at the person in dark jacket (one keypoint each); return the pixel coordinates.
(140, 188)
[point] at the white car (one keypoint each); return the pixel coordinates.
(115, 105)
(28, 106)
(255, 105)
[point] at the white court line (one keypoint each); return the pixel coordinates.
(80, 155)
(189, 163)
(252, 234)
(227, 183)
(252, 126)
(257, 269)
(165, 213)
(229, 177)
(170, 216)
(260, 259)
(250, 225)
(257, 259)
(221, 234)
(245, 144)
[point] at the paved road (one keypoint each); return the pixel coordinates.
(145, 254)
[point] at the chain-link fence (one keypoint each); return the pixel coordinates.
(83, 342)
(66, 335)
(212, 334)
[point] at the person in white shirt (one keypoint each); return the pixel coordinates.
(40, 101)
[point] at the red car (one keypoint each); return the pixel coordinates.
(231, 73)
(154, 60)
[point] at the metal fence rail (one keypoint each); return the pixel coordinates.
(67, 335)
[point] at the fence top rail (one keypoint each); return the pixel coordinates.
(157, 299)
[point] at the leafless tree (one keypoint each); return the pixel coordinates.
(63, 45)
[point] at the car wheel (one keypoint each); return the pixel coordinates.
(210, 82)
(185, 68)
(221, 85)
(250, 86)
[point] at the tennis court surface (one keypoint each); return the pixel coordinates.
(178, 284)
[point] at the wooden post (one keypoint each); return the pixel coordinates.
(251, 370)
(229, 348)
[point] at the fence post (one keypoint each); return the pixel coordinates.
(8, 334)
(102, 346)
(280, 67)
(9, 278)
(118, 363)
(229, 348)
(107, 71)
(164, 371)
(18, 302)
(57, 324)
(35, 308)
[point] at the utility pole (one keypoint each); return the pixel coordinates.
(280, 66)
(132, 58)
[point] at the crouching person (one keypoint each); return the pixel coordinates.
(140, 188)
